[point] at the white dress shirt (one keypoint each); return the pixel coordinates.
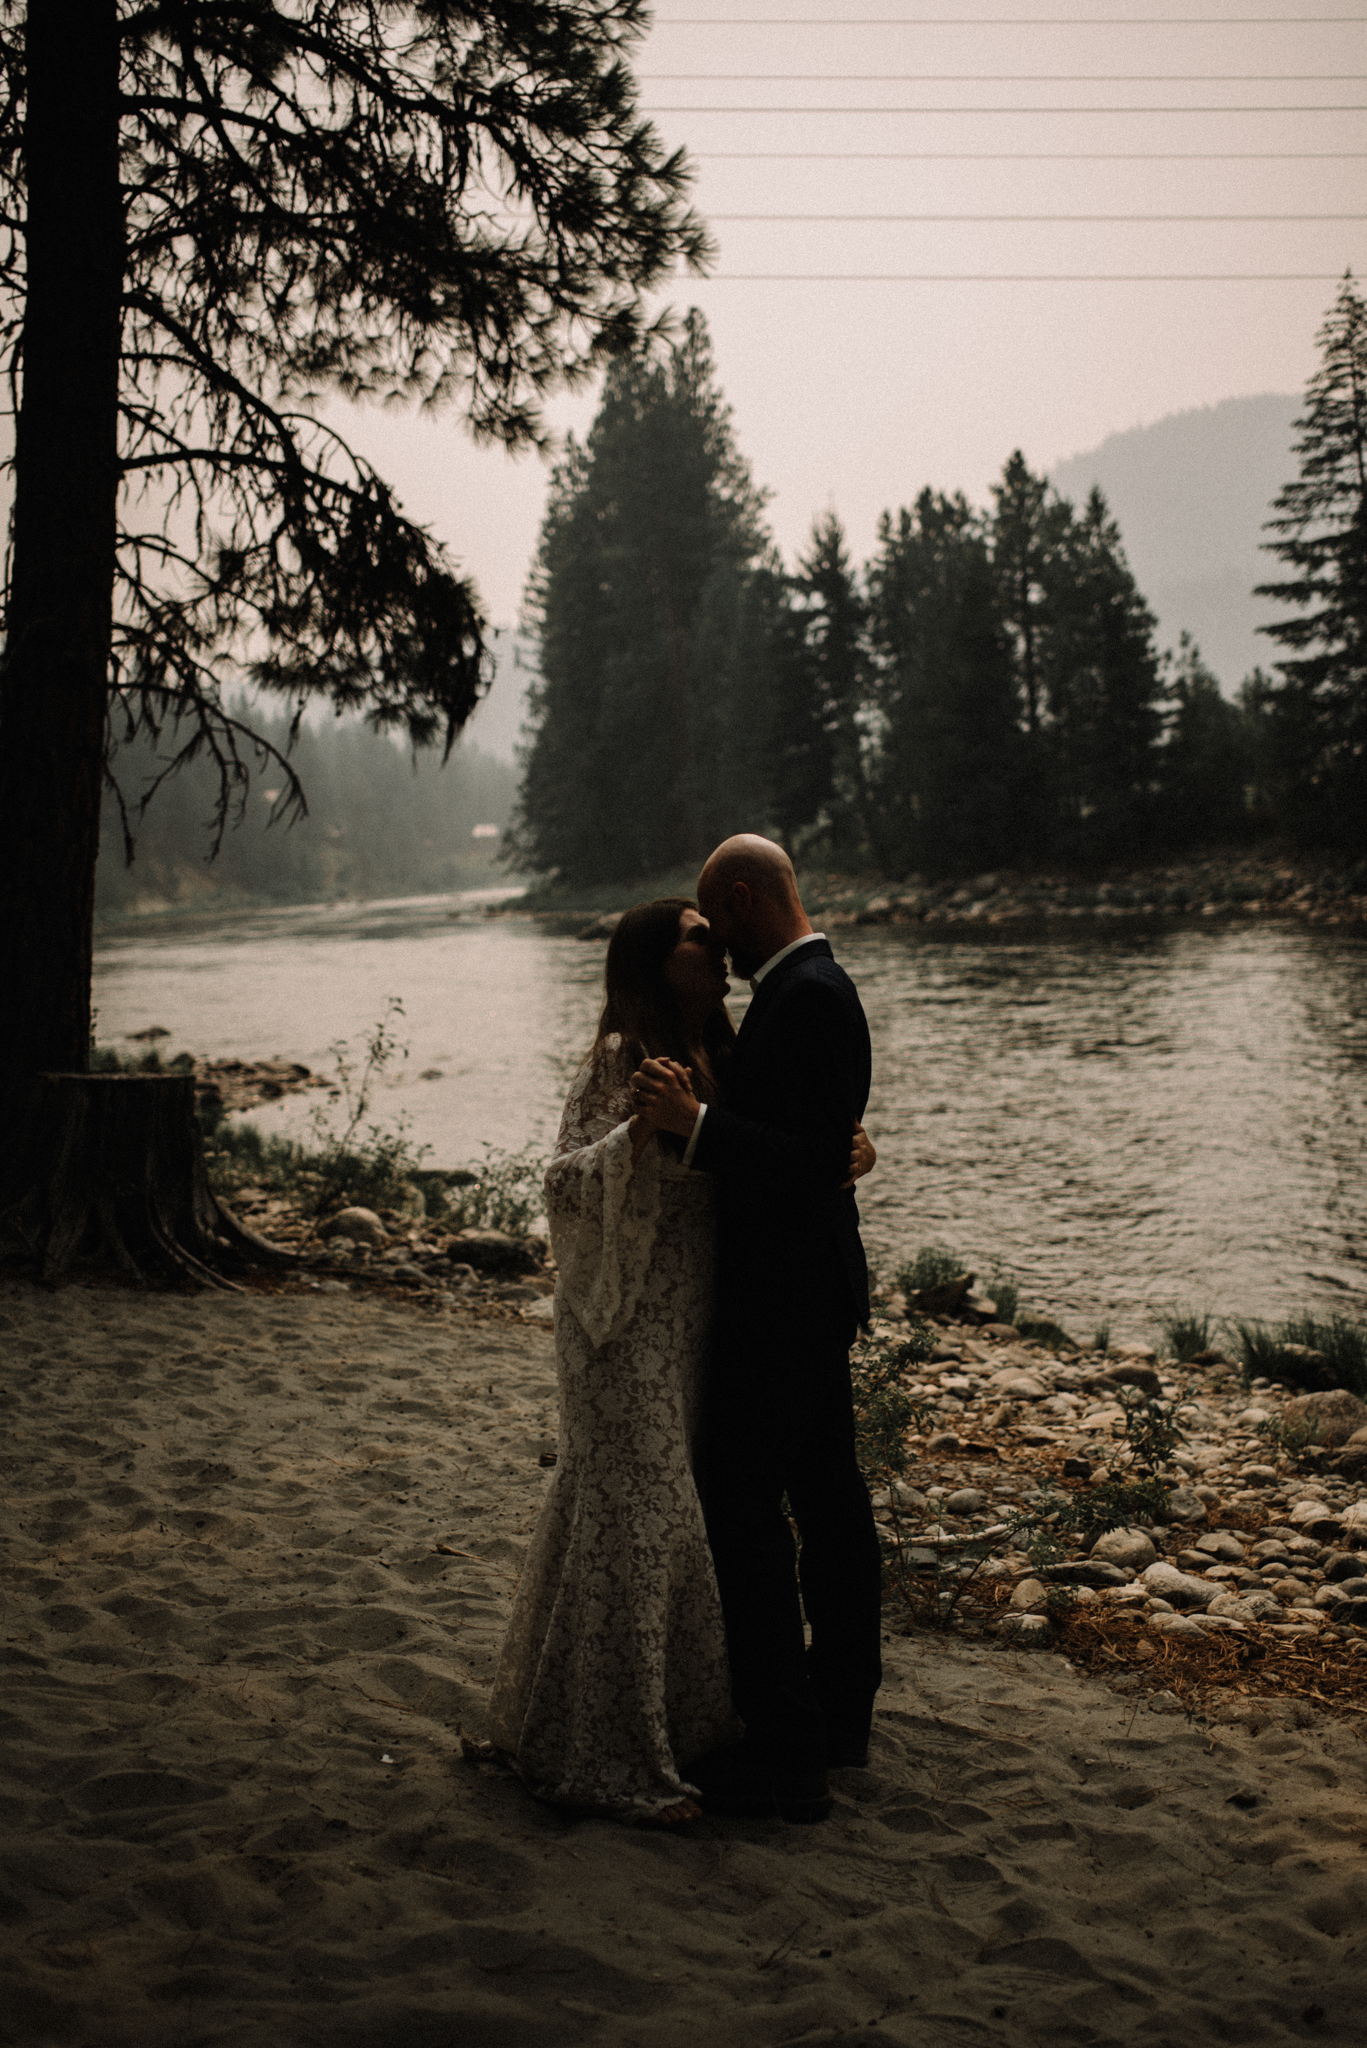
(755, 979)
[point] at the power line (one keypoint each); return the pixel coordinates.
(1168, 219)
(1018, 277)
(1336, 109)
(1003, 77)
(1026, 156)
(1015, 21)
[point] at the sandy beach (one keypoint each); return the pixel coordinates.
(258, 1555)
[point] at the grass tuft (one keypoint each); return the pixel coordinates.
(933, 1266)
(1305, 1352)
(1186, 1334)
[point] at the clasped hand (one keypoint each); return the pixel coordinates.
(662, 1099)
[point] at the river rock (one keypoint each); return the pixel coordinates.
(1251, 1606)
(1030, 1597)
(1017, 1384)
(362, 1226)
(1315, 1518)
(1355, 1525)
(1221, 1546)
(1175, 1625)
(967, 1501)
(1339, 1414)
(1089, 1572)
(1032, 1631)
(1186, 1505)
(1351, 1462)
(1341, 1565)
(1353, 1612)
(1165, 1582)
(1132, 1547)
(494, 1251)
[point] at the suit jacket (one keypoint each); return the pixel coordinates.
(789, 1252)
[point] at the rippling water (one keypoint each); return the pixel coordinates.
(1125, 1119)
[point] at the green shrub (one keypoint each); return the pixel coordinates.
(505, 1192)
(1002, 1289)
(933, 1266)
(1341, 1343)
(1186, 1334)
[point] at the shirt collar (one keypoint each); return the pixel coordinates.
(782, 954)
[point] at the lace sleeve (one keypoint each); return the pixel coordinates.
(603, 1211)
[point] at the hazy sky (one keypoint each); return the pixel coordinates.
(853, 395)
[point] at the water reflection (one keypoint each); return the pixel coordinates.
(1122, 1119)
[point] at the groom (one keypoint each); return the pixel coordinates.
(792, 1289)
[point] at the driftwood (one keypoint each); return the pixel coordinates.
(113, 1169)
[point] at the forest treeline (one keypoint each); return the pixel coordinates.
(985, 691)
(381, 822)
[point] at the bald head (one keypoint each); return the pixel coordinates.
(748, 894)
(763, 867)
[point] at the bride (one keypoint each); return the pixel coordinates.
(614, 1673)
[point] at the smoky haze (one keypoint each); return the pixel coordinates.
(852, 395)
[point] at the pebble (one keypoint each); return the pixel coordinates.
(1029, 1596)
(1165, 1582)
(362, 1226)
(1175, 1625)
(1025, 1631)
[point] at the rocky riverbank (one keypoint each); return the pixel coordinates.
(1229, 885)
(392, 1252)
(1259, 1546)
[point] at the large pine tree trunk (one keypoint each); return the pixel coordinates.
(89, 1164)
(55, 678)
(120, 1178)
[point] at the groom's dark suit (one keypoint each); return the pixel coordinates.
(792, 1288)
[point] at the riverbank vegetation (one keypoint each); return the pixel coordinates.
(985, 693)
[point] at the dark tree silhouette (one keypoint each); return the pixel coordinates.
(214, 213)
(651, 599)
(1320, 526)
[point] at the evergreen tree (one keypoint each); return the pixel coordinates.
(1029, 531)
(817, 747)
(1204, 765)
(1102, 694)
(945, 780)
(1320, 524)
(652, 600)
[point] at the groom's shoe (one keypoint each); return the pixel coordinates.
(735, 1782)
(803, 1800)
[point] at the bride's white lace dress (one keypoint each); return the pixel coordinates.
(614, 1671)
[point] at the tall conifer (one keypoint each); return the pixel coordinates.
(946, 775)
(1320, 527)
(651, 719)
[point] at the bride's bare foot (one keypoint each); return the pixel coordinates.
(674, 1816)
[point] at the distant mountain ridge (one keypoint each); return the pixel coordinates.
(1191, 493)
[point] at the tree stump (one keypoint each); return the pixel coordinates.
(115, 1171)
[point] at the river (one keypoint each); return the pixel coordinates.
(1125, 1118)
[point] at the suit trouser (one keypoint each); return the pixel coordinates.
(789, 1429)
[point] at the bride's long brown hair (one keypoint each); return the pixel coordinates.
(640, 1004)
